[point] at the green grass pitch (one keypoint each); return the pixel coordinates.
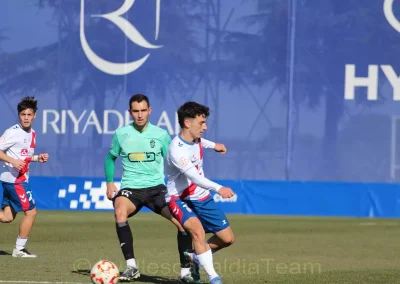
(267, 249)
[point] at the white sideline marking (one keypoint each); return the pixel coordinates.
(368, 224)
(379, 224)
(39, 282)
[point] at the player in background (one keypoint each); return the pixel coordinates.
(188, 193)
(17, 146)
(142, 147)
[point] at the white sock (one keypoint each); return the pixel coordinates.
(131, 262)
(20, 243)
(206, 260)
(185, 271)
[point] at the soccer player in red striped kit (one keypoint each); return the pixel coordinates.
(17, 146)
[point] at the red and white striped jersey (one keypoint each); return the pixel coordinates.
(18, 144)
(184, 170)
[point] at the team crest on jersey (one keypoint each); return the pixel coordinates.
(24, 152)
(183, 161)
(152, 143)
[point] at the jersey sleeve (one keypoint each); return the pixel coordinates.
(115, 148)
(202, 181)
(179, 157)
(207, 143)
(165, 143)
(7, 140)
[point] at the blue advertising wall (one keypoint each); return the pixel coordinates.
(304, 93)
(252, 197)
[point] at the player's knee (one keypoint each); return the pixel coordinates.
(198, 234)
(31, 213)
(121, 214)
(6, 219)
(230, 240)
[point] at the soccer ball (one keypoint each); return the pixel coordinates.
(104, 272)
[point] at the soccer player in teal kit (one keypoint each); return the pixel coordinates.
(142, 147)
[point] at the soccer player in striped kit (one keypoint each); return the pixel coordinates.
(188, 196)
(17, 146)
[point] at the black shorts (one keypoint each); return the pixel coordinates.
(151, 197)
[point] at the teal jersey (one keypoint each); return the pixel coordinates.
(142, 155)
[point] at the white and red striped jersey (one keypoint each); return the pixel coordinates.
(184, 170)
(18, 144)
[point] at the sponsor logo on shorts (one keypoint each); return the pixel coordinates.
(22, 198)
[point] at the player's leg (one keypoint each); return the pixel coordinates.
(156, 203)
(191, 223)
(188, 274)
(127, 204)
(203, 254)
(221, 239)
(25, 228)
(7, 214)
(214, 221)
(21, 200)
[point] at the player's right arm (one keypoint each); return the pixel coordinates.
(109, 167)
(7, 140)
(180, 159)
(218, 147)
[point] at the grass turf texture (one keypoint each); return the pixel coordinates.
(267, 249)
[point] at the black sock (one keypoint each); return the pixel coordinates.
(184, 243)
(125, 239)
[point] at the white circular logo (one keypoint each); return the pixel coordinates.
(131, 33)
(390, 17)
(184, 161)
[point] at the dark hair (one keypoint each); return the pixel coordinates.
(26, 103)
(191, 110)
(138, 98)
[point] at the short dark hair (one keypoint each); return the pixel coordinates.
(191, 110)
(139, 98)
(26, 103)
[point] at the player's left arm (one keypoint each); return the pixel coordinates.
(218, 147)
